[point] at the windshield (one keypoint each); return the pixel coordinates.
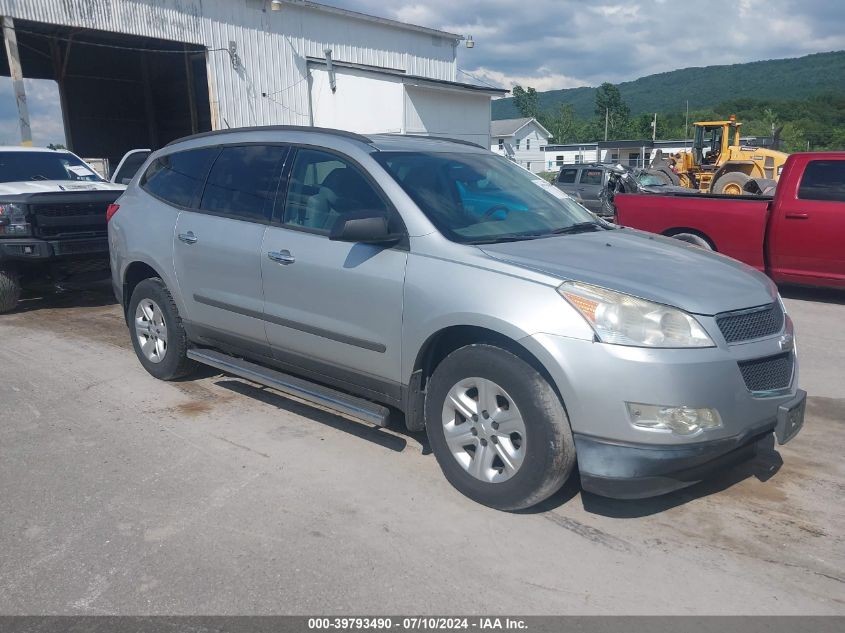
(21, 166)
(482, 198)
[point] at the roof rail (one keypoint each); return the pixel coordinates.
(459, 141)
(275, 128)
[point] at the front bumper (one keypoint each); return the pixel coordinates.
(34, 249)
(625, 471)
(617, 459)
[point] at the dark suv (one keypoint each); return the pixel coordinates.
(584, 182)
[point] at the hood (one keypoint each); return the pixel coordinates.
(660, 269)
(48, 186)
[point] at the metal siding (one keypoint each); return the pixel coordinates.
(272, 46)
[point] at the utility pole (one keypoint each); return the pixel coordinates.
(11, 40)
(606, 119)
(654, 128)
(686, 126)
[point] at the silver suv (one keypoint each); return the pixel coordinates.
(371, 274)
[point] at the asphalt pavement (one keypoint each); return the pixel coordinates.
(120, 494)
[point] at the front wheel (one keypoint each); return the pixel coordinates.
(10, 290)
(731, 184)
(497, 428)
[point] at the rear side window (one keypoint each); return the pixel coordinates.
(567, 176)
(591, 177)
(823, 180)
(177, 178)
(243, 181)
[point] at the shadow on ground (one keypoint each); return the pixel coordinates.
(819, 295)
(82, 295)
(395, 440)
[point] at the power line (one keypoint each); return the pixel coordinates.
(77, 42)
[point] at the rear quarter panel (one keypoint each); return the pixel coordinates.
(142, 231)
(735, 226)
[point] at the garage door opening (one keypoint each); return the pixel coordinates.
(116, 92)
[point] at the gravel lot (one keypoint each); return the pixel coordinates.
(120, 494)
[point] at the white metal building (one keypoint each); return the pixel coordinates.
(522, 140)
(138, 73)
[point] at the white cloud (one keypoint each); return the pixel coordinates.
(588, 42)
(45, 113)
(543, 79)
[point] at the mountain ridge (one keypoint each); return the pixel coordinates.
(705, 86)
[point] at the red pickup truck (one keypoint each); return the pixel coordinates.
(796, 237)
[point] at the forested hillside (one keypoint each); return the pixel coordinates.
(801, 102)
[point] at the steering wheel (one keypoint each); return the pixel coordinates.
(494, 209)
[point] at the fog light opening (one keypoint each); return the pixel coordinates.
(680, 420)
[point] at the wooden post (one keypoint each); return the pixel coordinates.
(192, 98)
(59, 73)
(11, 40)
(149, 106)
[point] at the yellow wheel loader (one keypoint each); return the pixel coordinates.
(718, 163)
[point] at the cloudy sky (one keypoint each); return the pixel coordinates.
(552, 44)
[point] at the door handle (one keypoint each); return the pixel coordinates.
(795, 215)
(188, 238)
(281, 257)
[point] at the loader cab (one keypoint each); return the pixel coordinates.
(713, 139)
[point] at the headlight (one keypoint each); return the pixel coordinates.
(13, 220)
(621, 319)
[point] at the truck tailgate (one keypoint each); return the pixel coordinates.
(735, 225)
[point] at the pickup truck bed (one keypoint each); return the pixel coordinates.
(795, 237)
(733, 225)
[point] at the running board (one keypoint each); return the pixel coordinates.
(337, 401)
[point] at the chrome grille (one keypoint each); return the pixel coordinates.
(745, 325)
(768, 374)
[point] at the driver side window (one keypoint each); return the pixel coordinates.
(324, 187)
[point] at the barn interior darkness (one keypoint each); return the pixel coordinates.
(118, 92)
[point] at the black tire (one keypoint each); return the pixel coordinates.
(10, 290)
(734, 180)
(549, 446)
(175, 362)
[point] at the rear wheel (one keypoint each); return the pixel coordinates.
(10, 290)
(497, 428)
(694, 239)
(731, 184)
(158, 336)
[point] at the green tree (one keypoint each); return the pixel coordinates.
(612, 108)
(562, 123)
(526, 100)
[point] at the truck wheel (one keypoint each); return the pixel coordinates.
(694, 239)
(158, 336)
(10, 290)
(497, 428)
(732, 184)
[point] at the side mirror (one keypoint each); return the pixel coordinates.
(367, 227)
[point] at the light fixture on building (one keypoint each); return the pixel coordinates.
(276, 5)
(470, 43)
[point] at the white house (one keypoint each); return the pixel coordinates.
(522, 140)
(141, 73)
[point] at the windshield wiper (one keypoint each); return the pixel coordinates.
(580, 227)
(507, 238)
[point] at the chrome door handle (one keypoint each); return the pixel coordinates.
(281, 257)
(188, 238)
